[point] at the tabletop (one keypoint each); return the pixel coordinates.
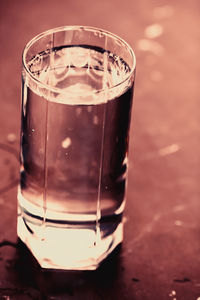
(160, 255)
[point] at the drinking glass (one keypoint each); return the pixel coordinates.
(77, 88)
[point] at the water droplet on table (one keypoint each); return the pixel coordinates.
(153, 31)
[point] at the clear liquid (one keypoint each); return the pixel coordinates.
(74, 146)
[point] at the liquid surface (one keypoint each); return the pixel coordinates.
(70, 70)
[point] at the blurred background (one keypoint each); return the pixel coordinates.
(160, 256)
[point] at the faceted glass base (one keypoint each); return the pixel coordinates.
(69, 248)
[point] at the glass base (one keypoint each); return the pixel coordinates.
(70, 247)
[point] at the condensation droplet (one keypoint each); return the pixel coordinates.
(66, 142)
(33, 130)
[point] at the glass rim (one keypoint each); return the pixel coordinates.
(76, 27)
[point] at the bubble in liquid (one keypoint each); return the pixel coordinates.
(78, 111)
(95, 120)
(173, 294)
(89, 108)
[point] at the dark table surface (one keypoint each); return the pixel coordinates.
(160, 256)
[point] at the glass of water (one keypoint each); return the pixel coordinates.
(77, 88)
